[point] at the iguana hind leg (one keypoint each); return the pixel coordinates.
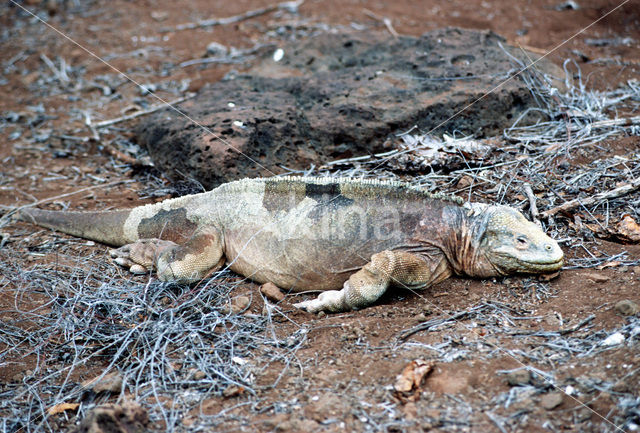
(185, 263)
(364, 287)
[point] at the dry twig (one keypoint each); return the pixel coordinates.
(596, 198)
(386, 21)
(292, 5)
(142, 112)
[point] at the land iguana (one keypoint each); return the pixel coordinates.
(351, 239)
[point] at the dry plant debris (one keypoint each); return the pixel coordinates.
(181, 350)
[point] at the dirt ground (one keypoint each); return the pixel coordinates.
(340, 372)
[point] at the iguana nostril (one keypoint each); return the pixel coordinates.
(548, 247)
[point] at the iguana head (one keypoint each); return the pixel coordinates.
(505, 243)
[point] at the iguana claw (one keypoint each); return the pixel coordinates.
(140, 257)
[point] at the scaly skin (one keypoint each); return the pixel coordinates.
(351, 239)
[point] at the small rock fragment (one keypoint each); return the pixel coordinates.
(111, 382)
(217, 50)
(159, 15)
(238, 305)
(596, 277)
(613, 339)
(232, 391)
(196, 374)
(627, 307)
(551, 400)
(518, 377)
(272, 292)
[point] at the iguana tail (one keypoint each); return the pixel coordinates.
(106, 226)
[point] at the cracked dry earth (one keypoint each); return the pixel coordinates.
(499, 355)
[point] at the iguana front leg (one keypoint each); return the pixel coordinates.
(185, 263)
(386, 268)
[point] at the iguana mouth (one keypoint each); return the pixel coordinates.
(543, 265)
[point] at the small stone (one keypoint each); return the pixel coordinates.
(613, 339)
(518, 377)
(419, 318)
(159, 15)
(596, 277)
(232, 391)
(238, 305)
(217, 50)
(272, 292)
(627, 307)
(636, 270)
(196, 374)
(464, 182)
(111, 382)
(551, 400)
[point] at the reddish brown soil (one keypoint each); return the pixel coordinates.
(349, 365)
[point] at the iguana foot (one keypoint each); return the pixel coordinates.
(331, 300)
(140, 257)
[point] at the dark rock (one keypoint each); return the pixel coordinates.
(129, 417)
(337, 96)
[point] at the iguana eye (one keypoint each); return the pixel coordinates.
(522, 242)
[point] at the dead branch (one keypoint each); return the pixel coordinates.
(142, 112)
(57, 197)
(238, 56)
(60, 74)
(629, 121)
(605, 195)
(236, 18)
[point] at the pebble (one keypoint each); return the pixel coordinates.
(518, 377)
(613, 339)
(272, 292)
(551, 400)
(238, 305)
(233, 391)
(196, 374)
(217, 50)
(596, 277)
(627, 307)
